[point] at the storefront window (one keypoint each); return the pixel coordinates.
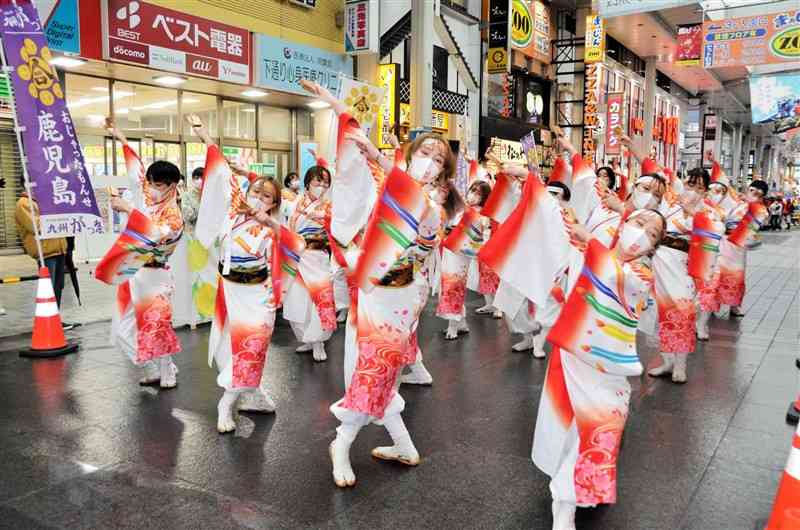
(145, 110)
(95, 155)
(205, 107)
(87, 100)
(243, 156)
(239, 120)
(275, 164)
(274, 124)
(195, 156)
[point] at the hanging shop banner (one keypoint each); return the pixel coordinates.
(614, 122)
(615, 8)
(775, 98)
(61, 24)
(530, 29)
(61, 185)
(591, 86)
(154, 36)
(281, 64)
(440, 121)
(498, 59)
(387, 115)
(690, 45)
(361, 31)
(362, 100)
(595, 45)
(747, 41)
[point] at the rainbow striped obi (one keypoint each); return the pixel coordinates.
(599, 320)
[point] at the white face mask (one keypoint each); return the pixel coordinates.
(473, 199)
(423, 169)
(317, 191)
(716, 197)
(690, 196)
(642, 200)
(256, 204)
(156, 195)
(634, 240)
(294, 185)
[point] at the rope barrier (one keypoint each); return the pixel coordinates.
(18, 279)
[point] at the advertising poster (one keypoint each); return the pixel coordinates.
(690, 44)
(595, 44)
(387, 115)
(614, 121)
(776, 99)
(747, 41)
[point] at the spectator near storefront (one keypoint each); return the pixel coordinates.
(54, 250)
(788, 208)
(775, 213)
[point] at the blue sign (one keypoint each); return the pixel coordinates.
(281, 64)
(62, 26)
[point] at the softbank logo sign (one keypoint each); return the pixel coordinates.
(129, 12)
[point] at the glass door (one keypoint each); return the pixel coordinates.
(277, 163)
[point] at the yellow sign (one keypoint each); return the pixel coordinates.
(595, 45)
(387, 77)
(521, 24)
(497, 61)
(439, 120)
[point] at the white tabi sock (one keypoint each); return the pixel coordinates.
(339, 449)
(403, 449)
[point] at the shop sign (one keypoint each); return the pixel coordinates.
(521, 24)
(53, 157)
(590, 111)
(530, 29)
(439, 120)
(595, 40)
(690, 45)
(747, 41)
(387, 115)
(497, 59)
(614, 122)
(154, 36)
(361, 27)
(281, 64)
(62, 26)
(615, 8)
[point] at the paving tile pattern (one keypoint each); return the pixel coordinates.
(85, 447)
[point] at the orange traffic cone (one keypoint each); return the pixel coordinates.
(793, 414)
(48, 334)
(786, 510)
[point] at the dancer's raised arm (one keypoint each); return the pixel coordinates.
(324, 94)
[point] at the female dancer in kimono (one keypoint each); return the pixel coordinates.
(141, 323)
(748, 219)
(488, 280)
(388, 312)
(246, 228)
(310, 306)
(584, 403)
(472, 230)
(675, 289)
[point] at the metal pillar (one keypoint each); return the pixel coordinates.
(421, 63)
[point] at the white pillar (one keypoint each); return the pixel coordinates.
(649, 102)
(421, 63)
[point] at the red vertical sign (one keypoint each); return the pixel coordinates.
(614, 121)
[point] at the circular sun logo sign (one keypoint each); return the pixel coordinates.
(44, 84)
(363, 104)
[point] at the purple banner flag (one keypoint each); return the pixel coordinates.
(59, 180)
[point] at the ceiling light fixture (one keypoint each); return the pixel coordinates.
(64, 61)
(170, 80)
(318, 105)
(254, 93)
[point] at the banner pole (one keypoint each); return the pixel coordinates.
(8, 71)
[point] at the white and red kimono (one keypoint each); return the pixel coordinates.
(390, 278)
(141, 319)
(459, 251)
(244, 315)
(310, 306)
(733, 252)
(674, 286)
(584, 403)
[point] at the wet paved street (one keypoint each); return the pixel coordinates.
(85, 447)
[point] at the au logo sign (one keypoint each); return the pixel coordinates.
(521, 24)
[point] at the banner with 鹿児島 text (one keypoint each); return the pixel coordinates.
(53, 156)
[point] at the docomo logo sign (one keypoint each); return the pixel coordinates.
(128, 51)
(122, 51)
